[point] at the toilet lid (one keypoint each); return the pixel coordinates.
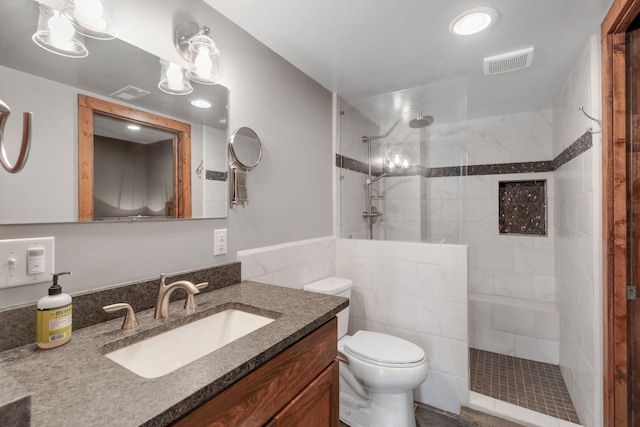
(383, 348)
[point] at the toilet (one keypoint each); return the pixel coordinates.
(376, 385)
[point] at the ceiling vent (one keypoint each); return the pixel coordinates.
(510, 61)
(129, 93)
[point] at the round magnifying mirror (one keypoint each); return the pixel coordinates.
(245, 148)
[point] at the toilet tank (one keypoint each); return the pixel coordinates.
(337, 286)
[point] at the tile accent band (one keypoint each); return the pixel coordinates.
(579, 146)
(216, 176)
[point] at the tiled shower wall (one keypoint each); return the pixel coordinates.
(578, 232)
(511, 283)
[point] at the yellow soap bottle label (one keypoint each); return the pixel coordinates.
(53, 324)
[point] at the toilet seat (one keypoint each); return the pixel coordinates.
(384, 350)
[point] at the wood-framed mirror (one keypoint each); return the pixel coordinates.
(131, 201)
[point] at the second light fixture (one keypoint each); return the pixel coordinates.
(195, 46)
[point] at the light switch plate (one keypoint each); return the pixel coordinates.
(14, 266)
(220, 242)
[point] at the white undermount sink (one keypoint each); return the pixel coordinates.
(168, 351)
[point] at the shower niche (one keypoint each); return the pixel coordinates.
(523, 207)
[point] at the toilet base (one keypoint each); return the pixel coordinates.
(383, 410)
(392, 410)
(352, 412)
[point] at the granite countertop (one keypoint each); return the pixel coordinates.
(76, 385)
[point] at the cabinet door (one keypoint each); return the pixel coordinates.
(317, 405)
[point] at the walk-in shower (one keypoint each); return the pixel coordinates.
(466, 179)
(371, 214)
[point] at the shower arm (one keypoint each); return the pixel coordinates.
(366, 139)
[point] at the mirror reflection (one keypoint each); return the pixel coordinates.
(32, 79)
(132, 170)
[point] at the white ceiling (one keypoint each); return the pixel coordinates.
(360, 48)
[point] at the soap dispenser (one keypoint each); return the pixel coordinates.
(53, 319)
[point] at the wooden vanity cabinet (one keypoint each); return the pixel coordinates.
(298, 387)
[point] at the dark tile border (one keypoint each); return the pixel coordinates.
(356, 165)
(582, 144)
(216, 176)
(19, 324)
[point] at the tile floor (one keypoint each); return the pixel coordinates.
(533, 385)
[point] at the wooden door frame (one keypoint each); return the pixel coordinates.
(614, 210)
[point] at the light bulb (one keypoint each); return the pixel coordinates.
(89, 14)
(397, 159)
(405, 163)
(61, 31)
(203, 62)
(175, 77)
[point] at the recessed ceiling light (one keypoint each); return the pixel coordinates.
(473, 21)
(200, 103)
(133, 127)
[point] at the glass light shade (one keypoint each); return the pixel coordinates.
(203, 60)
(90, 18)
(57, 34)
(173, 79)
(473, 21)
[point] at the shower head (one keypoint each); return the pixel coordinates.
(420, 121)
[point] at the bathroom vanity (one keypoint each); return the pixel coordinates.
(281, 374)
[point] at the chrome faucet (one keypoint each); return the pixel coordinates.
(162, 306)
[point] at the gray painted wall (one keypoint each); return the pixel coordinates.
(290, 191)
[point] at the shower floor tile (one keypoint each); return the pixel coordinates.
(533, 385)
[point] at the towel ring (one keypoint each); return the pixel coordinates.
(5, 111)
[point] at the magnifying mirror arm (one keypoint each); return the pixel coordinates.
(24, 146)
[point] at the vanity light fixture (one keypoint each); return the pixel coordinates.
(57, 34)
(473, 21)
(90, 19)
(197, 47)
(173, 79)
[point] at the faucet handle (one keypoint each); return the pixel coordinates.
(130, 320)
(190, 303)
(162, 279)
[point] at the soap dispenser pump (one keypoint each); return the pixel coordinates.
(53, 319)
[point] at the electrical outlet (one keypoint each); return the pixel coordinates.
(220, 242)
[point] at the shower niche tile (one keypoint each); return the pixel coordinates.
(523, 207)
